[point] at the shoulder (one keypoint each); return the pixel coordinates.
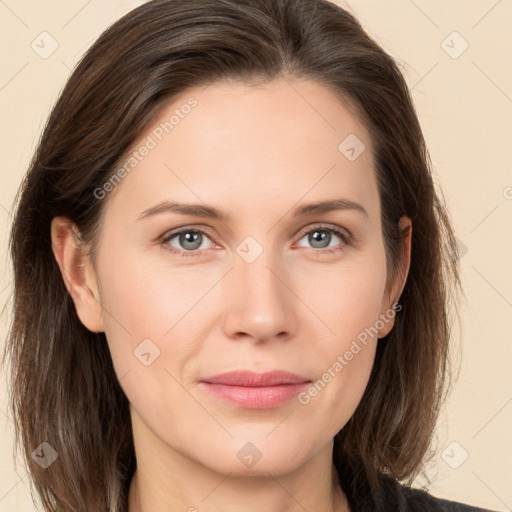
(390, 495)
(418, 500)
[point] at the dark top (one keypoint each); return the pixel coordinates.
(395, 497)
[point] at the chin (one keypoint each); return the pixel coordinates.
(255, 458)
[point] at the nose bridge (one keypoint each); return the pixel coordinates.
(260, 278)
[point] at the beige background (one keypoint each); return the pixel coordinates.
(465, 107)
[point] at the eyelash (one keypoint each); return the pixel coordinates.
(343, 234)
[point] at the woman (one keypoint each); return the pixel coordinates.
(232, 270)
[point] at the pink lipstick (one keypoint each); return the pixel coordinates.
(252, 390)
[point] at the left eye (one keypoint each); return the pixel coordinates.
(319, 236)
(191, 240)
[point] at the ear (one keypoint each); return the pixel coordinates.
(77, 272)
(396, 288)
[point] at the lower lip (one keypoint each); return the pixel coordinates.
(265, 397)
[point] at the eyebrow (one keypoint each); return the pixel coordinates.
(202, 210)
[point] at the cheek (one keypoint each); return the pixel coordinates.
(344, 368)
(145, 316)
(146, 297)
(145, 327)
(346, 297)
(349, 304)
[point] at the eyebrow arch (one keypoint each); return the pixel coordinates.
(202, 210)
(197, 210)
(329, 206)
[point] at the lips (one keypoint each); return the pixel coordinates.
(252, 390)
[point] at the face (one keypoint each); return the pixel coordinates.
(266, 286)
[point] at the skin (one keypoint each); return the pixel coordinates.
(255, 153)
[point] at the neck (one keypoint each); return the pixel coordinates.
(230, 494)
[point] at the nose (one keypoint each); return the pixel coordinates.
(260, 304)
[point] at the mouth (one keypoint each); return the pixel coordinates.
(252, 390)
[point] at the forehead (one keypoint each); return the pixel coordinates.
(240, 146)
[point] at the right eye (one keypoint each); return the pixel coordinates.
(189, 239)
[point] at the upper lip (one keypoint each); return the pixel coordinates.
(253, 379)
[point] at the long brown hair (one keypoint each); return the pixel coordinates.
(64, 390)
